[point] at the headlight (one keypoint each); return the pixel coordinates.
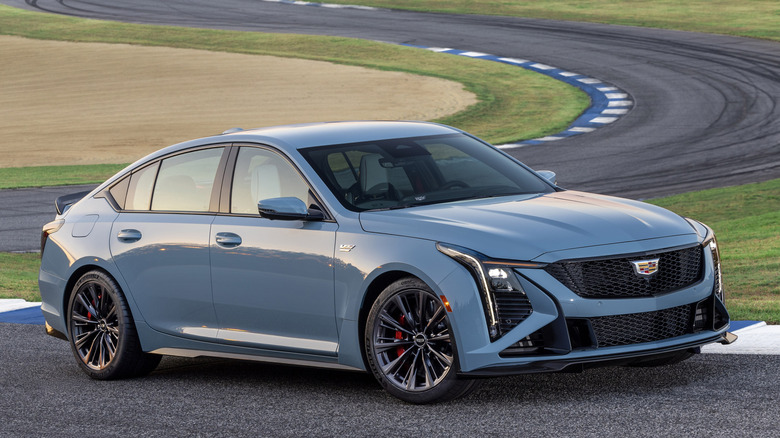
(495, 280)
(710, 243)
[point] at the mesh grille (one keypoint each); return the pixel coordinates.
(513, 308)
(636, 328)
(615, 278)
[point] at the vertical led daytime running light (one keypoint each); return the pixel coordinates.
(476, 265)
(713, 246)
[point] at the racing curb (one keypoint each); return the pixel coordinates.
(755, 337)
(608, 103)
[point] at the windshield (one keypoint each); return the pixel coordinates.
(406, 172)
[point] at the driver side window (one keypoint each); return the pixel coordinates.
(263, 174)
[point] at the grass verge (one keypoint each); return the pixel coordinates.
(42, 176)
(745, 218)
(750, 18)
(19, 276)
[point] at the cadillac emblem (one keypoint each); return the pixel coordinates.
(645, 267)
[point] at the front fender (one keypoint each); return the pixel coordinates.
(356, 272)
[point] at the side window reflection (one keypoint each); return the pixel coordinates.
(185, 181)
(262, 174)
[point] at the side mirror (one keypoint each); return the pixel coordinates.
(549, 175)
(287, 209)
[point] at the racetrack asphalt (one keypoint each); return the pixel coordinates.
(705, 111)
(45, 393)
(23, 212)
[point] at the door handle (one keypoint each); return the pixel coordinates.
(129, 236)
(228, 240)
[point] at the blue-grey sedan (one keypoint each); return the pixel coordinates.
(411, 250)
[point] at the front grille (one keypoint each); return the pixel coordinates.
(513, 308)
(636, 328)
(615, 278)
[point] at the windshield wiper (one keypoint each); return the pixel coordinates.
(394, 207)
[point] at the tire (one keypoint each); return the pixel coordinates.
(663, 360)
(101, 330)
(409, 347)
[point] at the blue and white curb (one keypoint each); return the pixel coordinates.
(9, 305)
(608, 102)
(18, 311)
(322, 5)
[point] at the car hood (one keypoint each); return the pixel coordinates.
(525, 227)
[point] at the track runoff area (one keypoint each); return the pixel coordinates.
(755, 337)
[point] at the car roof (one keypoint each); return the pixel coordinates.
(306, 135)
(326, 133)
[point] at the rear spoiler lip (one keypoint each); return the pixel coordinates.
(63, 202)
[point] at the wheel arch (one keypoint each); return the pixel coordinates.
(74, 277)
(85, 265)
(373, 290)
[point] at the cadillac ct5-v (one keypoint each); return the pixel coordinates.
(411, 250)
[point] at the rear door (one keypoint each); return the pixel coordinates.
(160, 241)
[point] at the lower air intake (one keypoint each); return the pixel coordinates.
(637, 328)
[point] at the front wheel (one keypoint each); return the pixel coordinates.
(410, 347)
(102, 334)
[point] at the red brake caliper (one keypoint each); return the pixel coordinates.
(399, 335)
(89, 314)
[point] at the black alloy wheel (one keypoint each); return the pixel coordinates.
(410, 347)
(102, 334)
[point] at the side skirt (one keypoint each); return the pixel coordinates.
(183, 352)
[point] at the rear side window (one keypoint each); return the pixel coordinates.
(119, 191)
(184, 182)
(139, 192)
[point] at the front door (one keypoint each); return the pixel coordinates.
(272, 280)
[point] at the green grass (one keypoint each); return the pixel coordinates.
(42, 176)
(746, 220)
(750, 18)
(19, 276)
(514, 104)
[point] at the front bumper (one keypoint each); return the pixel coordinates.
(566, 331)
(579, 363)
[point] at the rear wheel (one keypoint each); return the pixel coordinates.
(102, 334)
(410, 347)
